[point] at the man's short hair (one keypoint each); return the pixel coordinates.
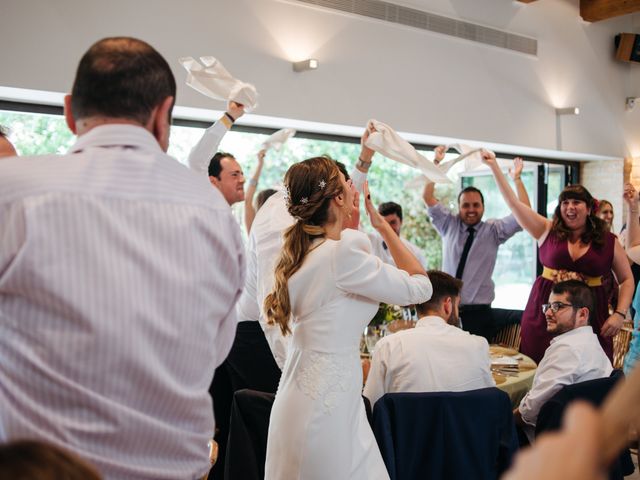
(215, 168)
(263, 196)
(389, 208)
(121, 77)
(444, 285)
(470, 190)
(578, 293)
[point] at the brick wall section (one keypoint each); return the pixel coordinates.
(605, 179)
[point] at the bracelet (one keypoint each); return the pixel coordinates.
(363, 165)
(228, 115)
(253, 181)
(623, 315)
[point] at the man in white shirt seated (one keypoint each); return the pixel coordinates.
(392, 213)
(436, 355)
(574, 356)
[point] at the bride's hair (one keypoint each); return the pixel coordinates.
(310, 184)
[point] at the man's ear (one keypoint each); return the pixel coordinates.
(447, 305)
(68, 115)
(584, 315)
(159, 122)
(214, 181)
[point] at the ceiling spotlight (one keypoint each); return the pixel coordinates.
(309, 64)
(568, 111)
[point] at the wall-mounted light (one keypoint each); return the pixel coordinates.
(309, 64)
(568, 111)
(630, 103)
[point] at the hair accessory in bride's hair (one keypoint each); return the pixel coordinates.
(304, 200)
(322, 184)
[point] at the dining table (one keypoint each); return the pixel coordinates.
(512, 371)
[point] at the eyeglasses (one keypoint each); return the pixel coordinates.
(556, 306)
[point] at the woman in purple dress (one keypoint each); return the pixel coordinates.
(573, 244)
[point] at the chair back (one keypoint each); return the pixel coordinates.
(508, 336)
(593, 391)
(247, 445)
(621, 343)
(445, 435)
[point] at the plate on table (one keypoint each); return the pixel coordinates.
(498, 378)
(500, 351)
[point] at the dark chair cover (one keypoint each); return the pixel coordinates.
(445, 435)
(247, 443)
(250, 364)
(593, 391)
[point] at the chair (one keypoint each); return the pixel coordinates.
(508, 336)
(248, 430)
(445, 435)
(593, 391)
(621, 343)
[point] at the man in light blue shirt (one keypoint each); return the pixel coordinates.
(470, 248)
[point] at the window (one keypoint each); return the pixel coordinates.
(34, 133)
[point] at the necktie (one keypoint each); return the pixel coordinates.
(465, 252)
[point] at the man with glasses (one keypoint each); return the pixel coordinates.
(574, 355)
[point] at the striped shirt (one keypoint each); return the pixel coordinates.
(119, 271)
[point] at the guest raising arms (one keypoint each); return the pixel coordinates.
(329, 284)
(573, 244)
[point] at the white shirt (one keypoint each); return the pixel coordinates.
(572, 357)
(265, 244)
(201, 155)
(432, 357)
(119, 271)
(381, 250)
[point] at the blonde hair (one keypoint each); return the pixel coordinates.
(311, 184)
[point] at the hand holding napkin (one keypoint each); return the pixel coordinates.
(384, 140)
(214, 81)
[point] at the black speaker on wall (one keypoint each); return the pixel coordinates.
(628, 47)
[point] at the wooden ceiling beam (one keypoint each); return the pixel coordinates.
(596, 10)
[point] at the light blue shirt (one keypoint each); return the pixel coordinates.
(478, 287)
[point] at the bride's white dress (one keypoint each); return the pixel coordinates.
(318, 427)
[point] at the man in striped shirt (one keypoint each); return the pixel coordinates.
(119, 272)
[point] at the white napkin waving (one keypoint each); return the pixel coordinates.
(214, 81)
(388, 143)
(472, 157)
(279, 138)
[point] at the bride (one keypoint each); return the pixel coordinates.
(328, 286)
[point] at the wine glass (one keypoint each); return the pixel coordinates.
(371, 337)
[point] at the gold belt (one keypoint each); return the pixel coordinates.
(561, 275)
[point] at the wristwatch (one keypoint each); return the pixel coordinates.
(361, 164)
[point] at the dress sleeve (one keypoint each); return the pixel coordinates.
(360, 272)
(441, 217)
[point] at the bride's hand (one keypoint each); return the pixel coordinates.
(377, 220)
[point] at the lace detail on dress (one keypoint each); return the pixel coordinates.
(325, 376)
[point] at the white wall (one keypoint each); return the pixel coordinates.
(415, 80)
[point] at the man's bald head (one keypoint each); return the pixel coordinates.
(121, 77)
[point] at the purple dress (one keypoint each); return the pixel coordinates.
(554, 253)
